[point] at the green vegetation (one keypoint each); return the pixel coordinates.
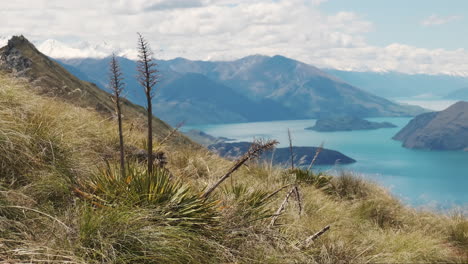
(64, 200)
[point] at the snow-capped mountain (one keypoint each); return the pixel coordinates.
(56, 49)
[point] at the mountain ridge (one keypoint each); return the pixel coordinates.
(304, 90)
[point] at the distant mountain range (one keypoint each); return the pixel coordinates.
(254, 88)
(459, 94)
(401, 85)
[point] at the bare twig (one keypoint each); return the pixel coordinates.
(255, 150)
(316, 235)
(275, 192)
(298, 198)
(281, 208)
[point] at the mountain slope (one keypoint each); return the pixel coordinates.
(190, 97)
(22, 59)
(200, 100)
(445, 130)
(306, 90)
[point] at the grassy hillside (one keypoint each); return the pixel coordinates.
(61, 203)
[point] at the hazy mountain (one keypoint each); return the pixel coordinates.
(190, 97)
(444, 130)
(305, 89)
(394, 84)
(459, 94)
(255, 88)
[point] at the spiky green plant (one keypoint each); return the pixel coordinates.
(169, 200)
(250, 204)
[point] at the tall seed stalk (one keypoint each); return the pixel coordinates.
(147, 78)
(117, 86)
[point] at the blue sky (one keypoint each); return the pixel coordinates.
(400, 21)
(411, 36)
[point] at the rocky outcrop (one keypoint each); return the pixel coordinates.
(11, 58)
(347, 123)
(445, 130)
(281, 156)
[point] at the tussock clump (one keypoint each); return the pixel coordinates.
(459, 231)
(348, 186)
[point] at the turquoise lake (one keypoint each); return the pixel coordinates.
(433, 179)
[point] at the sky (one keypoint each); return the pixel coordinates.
(409, 36)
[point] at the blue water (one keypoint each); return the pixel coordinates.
(434, 179)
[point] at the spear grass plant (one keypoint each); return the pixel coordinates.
(167, 199)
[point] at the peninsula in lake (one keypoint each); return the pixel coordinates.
(347, 123)
(444, 130)
(280, 156)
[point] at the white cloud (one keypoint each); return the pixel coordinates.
(218, 30)
(439, 20)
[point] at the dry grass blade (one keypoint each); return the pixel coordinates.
(255, 150)
(39, 212)
(291, 149)
(317, 152)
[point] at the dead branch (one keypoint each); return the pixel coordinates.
(254, 151)
(275, 192)
(281, 208)
(316, 235)
(298, 198)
